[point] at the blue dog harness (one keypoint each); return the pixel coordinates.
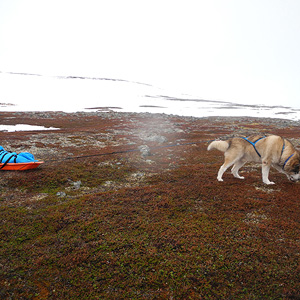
(287, 161)
(253, 143)
(287, 158)
(283, 147)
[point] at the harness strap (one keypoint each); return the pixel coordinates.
(287, 161)
(283, 146)
(253, 144)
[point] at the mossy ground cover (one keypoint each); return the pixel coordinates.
(155, 227)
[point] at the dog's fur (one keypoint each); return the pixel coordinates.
(274, 151)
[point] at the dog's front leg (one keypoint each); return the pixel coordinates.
(265, 172)
(278, 168)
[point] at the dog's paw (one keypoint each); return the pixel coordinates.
(220, 179)
(269, 182)
(239, 177)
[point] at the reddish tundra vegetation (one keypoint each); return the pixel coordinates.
(152, 223)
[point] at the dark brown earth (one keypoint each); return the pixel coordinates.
(127, 206)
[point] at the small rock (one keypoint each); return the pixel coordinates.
(77, 185)
(145, 150)
(149, 161)
(61, 194)
(152, 137)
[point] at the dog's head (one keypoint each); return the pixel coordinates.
(292, 168)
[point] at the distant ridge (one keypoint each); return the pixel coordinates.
(76, 77)
(117, 94)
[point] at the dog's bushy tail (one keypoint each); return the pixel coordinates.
(219, 145)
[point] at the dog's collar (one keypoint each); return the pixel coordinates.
(287, 161)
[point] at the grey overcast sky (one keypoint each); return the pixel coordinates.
(232, 50)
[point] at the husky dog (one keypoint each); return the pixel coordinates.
(270, 150)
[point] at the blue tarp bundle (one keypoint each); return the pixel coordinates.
(12, 157)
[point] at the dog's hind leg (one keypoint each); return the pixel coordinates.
(227, 164)
(222, 170)
(236, 167)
